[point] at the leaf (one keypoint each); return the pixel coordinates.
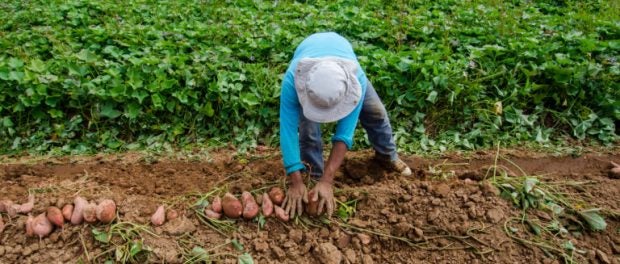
(535, 228)
(136, 247)
(15, 63)
(245, 258)
(594, 219)
(107, 110)
(199, 254)
(37, 65)
(132, 111)
(100, 236)
(568, 245)
(529, 184)
(249, 99)
(237, 244)
(432, 97)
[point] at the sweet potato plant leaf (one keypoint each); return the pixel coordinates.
(237, 244)
(199, 254)
(245, 258)
(529, 184)
(594, 219)
(107, 110)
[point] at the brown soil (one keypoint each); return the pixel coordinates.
(447, 213)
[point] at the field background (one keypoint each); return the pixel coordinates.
(89, 76)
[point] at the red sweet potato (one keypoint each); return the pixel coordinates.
(79, 204)
(250, 207)
(54, 215)
(41, 226)
(90, 213)
(29, 221)
(280, 213)
(67, 211)
(106, 211)
(1, 224)
(312, 207)
(27, 207)
(276, 195)
(172, 214)
(212, 214)
(267, 205)
(216, 205)
(231, 206)
(159, 217)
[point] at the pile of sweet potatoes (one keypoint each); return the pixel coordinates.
(76, 213)
(248, 207)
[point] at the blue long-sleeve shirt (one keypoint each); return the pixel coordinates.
(315, 46)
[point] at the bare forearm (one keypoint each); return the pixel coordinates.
(336, 156)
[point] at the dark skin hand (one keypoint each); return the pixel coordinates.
(323, 191)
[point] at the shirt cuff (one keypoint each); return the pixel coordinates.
(344, 140)
(295, 167)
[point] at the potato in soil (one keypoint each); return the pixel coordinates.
(55, 216)
(250, 207)
(79, 204)
(312, 207)
(41, 226)
(67, 211)
(276, 195)
(231, 206)
(267, 205)
(106, 211)
(90, 213)
(159, 217)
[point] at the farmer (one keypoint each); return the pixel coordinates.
(324, 83)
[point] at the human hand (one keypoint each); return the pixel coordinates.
(296, 195)
(324, 193)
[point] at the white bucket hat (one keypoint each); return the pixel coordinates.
(327, 88)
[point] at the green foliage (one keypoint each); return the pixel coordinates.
(84, 76)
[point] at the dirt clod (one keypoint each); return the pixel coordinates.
(602, 257)
(442, 190)
(343, 241)
(364, 238)
(179, 226)
(495, 215)
(296, 235)
(261, 246)
(328, 253)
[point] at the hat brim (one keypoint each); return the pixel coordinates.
(351, 97)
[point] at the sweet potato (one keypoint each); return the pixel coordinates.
(159, 217)
(67, 211)
(276, 195)
(55, 216)
(280, 213)
(250, 207)
(312, 207)
(231, 206)
(1, 225)
(172, 214)
(29, 221)
(41, 226)
(79, 204)
(216, 205)
(90, 213)
(4, 204)
(267, 205)
(27, 207)
(8, 207)
(212, 214)
(615, 171)
(106, 211)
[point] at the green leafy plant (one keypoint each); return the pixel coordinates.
(84, 76)
(125, 242)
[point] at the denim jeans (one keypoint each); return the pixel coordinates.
(374, 120)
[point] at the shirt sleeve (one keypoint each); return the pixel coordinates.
(290, 110)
